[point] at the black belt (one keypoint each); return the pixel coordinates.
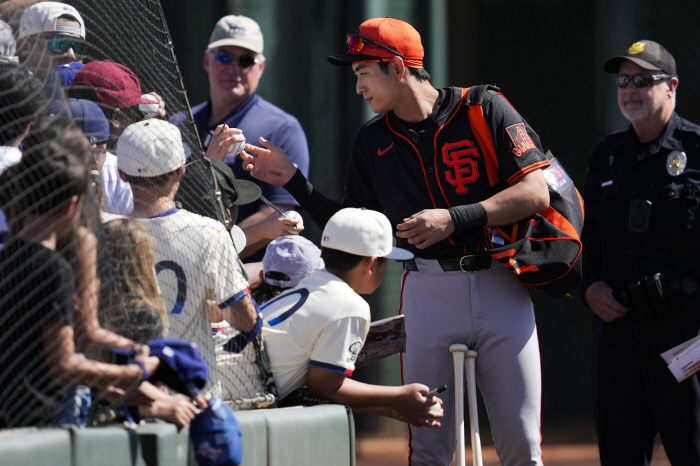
(464, 263)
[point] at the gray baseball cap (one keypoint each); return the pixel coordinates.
(239, 31)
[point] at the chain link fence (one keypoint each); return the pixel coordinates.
(96, 261)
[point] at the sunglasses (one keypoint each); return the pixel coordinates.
(244, 61)
(640, 80)
(355, 43)
(60, 43)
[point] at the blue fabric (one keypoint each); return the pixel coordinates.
(87, 115)
(181, 367)
(76, 404)
(67, 72)
(216, 436)
(257, 117)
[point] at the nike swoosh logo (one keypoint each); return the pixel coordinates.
(382, 152)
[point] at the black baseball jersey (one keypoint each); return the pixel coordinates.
(402, 168)
(642, 215)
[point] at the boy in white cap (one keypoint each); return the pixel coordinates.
(50, 34)
(315, 331)
(195, 257)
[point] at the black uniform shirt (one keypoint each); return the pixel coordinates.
(401, 168)
(622, 174)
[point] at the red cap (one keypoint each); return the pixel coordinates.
(115, 85)
(393, 33)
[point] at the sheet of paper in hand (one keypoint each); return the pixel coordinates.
(385, 337)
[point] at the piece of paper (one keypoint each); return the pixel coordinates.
(684, 360)
(385, 337)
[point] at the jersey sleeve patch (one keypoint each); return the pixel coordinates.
(330, 367)
(521, 140)
(234, 298)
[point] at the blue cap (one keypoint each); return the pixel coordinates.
(181, 366)
(67, 72)
(216, 436)
(87, 115)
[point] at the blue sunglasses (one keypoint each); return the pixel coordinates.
(244, 61)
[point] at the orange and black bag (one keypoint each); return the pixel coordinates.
(543, 251)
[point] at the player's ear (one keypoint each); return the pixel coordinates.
(122, 176)
(397, 67)
(261, 275)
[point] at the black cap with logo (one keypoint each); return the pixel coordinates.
(648, 54)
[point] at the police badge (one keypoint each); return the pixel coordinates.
(676, 162)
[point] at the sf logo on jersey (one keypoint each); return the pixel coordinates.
(460, 157)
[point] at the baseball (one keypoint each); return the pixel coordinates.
(295, 214)
(236, 148)
(150, 109)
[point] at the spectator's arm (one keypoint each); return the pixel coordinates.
(69, 368)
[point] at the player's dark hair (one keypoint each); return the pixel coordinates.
(49, 174)
(339, 260)
(419, 73)
(159, 180)
(22, 101)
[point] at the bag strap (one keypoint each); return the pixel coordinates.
(485, 139)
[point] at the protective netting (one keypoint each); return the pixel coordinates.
(93, 260)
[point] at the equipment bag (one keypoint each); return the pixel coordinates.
(544, 251)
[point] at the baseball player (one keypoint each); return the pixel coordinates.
(315, 330)
(420, 162)
(195, 257)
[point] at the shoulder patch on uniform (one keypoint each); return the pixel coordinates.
(521, 140)
(354, 350)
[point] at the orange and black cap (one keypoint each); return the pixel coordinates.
(383, 38)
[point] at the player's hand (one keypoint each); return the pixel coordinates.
(275, 226)
(600, 299)
(269, 164)
(416, 409)
(426, 228)
(223, 138)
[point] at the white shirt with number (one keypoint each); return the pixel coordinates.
(320, 323)
(195, 260)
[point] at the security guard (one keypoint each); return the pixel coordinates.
(641, 279)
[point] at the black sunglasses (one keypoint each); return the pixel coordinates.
(61, 43)
(640, 80)
(355, 43)
(244, 61)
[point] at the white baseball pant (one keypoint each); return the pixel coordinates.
(492, 313)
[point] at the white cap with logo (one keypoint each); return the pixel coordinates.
(150, 148)
(363, 233)
(42, 17)
(239, 31)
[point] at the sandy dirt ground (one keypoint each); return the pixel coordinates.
(392, 452)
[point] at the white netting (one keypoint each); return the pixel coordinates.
(163, 271)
